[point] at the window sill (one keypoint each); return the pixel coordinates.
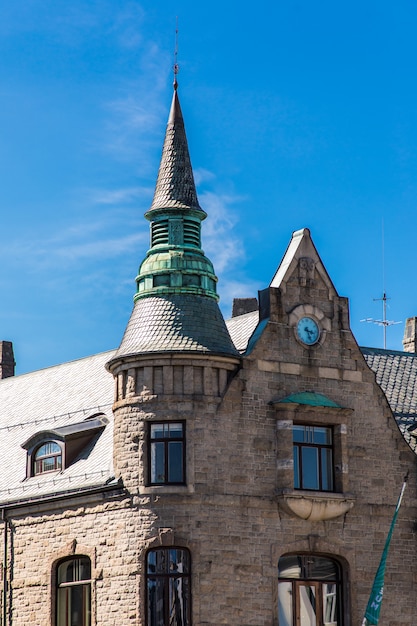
(157, 489)
(315, 506)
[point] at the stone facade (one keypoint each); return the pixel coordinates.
(238, 510)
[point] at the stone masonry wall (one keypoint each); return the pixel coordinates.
(230, 514)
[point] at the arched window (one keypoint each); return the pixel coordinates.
(74, 592)
(168, 583)
(309, 591)
(47, 458)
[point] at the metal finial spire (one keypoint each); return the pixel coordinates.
(176, 67)
(384, 322)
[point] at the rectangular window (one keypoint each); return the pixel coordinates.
(313, 458)
(167, 453)
(168, 587)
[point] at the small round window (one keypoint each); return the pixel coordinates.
(47, 458)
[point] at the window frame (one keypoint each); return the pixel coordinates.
(87, 590)
(305, 581)
(165, 441)
(53, 455)
(320, 460)
(167, 577)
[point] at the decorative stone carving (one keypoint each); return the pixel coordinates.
(315, 507)
(306, 267)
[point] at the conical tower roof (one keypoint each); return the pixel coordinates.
(175, 187)
(176, 303)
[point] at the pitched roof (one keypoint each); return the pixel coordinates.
(241, 328)
(301, 246)
(49, 399)
(396, 374)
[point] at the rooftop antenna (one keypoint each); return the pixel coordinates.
(176, 67)
(384, 322)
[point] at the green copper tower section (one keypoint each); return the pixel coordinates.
(175, 262)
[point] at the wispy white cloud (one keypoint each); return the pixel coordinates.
(105, 248)
(127, 25)
(82, 243)
(119, 196)
(202, 175)
(72, 21)
(230, 288)
(222, 245)
(133, 124)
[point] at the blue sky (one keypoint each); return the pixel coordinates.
(298, 114)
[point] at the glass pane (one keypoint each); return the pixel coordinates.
(63, 606)
(47, 465)
(298, 433)
(322, 435)
(157, 462)
(290, 566)
(178, 602)
(326, 469)
(310, 475)
(74, 606)
(308, 567)
(175, 462)
(74, 569)
(157, 431)
(156, 602)
(179, 561)
(307, 599)
(329, 604)
(157, 562)
(296, 468)
(321, 568)
(285, 604)
(175, 430)
(48, 448)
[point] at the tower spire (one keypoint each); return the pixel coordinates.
(176, 303)
(175, 187)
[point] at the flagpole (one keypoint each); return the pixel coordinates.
(375, 599)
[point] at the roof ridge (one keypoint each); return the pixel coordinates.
(387, 351)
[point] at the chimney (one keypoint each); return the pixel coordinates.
(410, 335)
(244, 305)
(7, 361)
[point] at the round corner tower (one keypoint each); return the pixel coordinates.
(176, 356)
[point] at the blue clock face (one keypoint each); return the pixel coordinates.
(308, 331)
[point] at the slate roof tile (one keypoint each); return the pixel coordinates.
(50, 398)
(176, 323)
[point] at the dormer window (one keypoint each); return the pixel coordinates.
(56, 449)
(47, 458)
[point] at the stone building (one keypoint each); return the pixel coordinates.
(208, 473)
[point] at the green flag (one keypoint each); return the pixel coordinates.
(375, 599)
